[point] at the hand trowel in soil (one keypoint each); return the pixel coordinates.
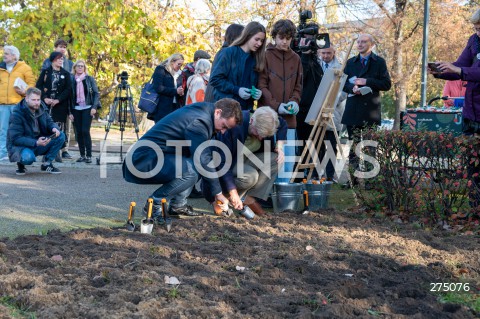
(131, 212)
(305, 201)
(165, 219)
(146, 226)
(225, 213)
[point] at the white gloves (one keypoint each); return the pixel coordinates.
(282, 109)
(294, 108)
(288, 108)
(256, 93)
(244, 93)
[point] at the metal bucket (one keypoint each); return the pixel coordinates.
(318, 195)
(289, 188)
(285, 201)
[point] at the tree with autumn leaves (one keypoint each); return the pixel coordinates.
(135, 35)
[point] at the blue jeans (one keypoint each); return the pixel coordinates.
(175, 189)
(289, 150)
(28, 155)
(5, 111)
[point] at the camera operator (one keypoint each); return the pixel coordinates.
(312, 76)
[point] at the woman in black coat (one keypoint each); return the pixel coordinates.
(56, 85)
(165, 86)
(86, 101)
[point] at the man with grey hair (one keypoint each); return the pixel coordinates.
(15, 77)
(367, 76)
(328, 60)
(254, 182)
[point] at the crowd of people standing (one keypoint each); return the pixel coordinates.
(35, 114)
(246, 73)
(269, 86)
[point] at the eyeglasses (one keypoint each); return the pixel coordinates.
(80, 66)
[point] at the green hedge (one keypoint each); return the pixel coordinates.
(425, 176)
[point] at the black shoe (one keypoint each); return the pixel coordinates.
(88, 160)
(81, 159)
(186, 210)
(66, 155)
(265, 203)
(195, 194)
(58, 158)
(21, 170)
(50, 169)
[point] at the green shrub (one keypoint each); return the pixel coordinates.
(424, 176)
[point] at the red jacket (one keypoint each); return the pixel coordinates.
(281, 81)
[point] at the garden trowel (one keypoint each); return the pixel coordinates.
(131, 212)
(146, 226)
(165, 218)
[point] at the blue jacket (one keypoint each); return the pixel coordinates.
(239, 134)
(229, 74)
(193, 123)
(21, 133)
(164, 85)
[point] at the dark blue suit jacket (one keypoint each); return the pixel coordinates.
(193, 123)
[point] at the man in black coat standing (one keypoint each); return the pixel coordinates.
(363, 107)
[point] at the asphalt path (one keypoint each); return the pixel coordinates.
(78, 198)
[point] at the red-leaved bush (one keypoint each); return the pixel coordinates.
(430, 177)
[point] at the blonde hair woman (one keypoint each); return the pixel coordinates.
(164, 78)
(86, 101)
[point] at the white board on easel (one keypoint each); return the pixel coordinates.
(321, 95)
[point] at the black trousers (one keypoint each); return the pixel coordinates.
(82, 122)
(355, 134)
(330, 168)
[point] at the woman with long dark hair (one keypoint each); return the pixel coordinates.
(237, 67)
(231, 34)
(86, 101)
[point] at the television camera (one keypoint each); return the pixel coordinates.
(307, 38)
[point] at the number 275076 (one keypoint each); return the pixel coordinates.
(446, 286)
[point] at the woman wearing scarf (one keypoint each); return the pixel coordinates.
(86, 102)
(197, 83)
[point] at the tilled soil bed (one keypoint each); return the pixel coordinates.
(322, 265)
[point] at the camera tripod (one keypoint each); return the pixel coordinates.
(122, 106)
